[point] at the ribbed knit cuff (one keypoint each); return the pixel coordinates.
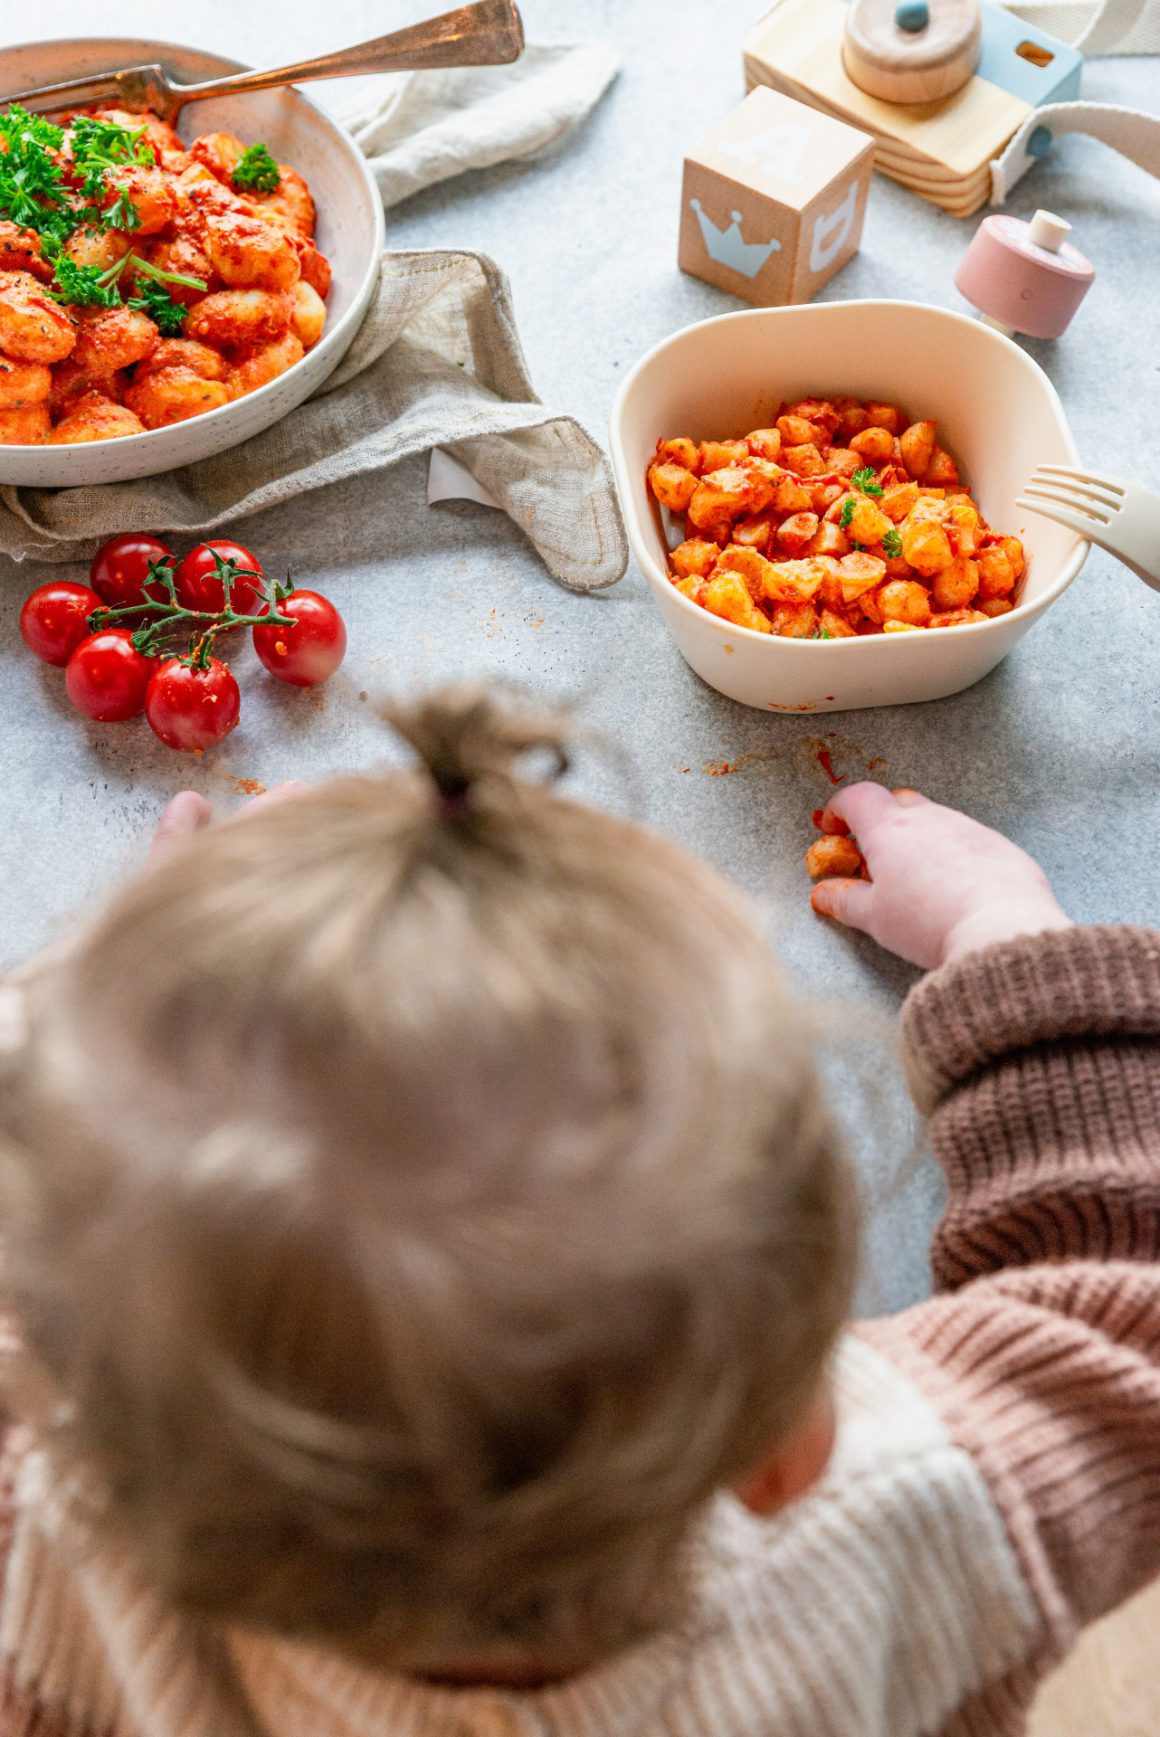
(1063, 983)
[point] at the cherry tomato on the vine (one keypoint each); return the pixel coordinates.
(121, 566)
(190, 708)
(311, 650)
(199, 587)
(107, 676)
(55, 619)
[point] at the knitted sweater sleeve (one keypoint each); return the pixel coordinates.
(1038, 1061)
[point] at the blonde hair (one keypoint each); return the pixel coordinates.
(420, 1194)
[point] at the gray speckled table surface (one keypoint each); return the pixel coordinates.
(1060, 746)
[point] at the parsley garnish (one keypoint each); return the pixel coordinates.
(866, 480)
(18, 129)
(32, 189)
(822, 633)
(167, 315)
(256, 171)
(101, 145)
(892, 542)
(31, 182)
(85, 286)
(121, 214)
(847, 513)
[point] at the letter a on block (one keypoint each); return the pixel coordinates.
(832, 233)
(777, 152)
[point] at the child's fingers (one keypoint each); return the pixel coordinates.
(276, 793)
(909, 798)
(847, 901)
(860, 805)
(185, 814)
(830, 823)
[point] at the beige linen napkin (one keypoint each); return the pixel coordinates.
(437, 361)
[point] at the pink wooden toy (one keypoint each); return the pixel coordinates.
(1025, 277)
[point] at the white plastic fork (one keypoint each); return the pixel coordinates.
(1121, 517)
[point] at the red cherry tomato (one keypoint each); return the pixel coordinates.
(191, 709)
(311, 650)
(121, 566)
(198, 586)
(107, 676)
(55, 619)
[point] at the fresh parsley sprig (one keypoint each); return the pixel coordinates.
(847, 513)
(167, 315)
(33, 192)
(85, 286)
(256, 171)
(892, 542)
(122, 213)
(98, 146)
(19, 129)
(31, 180)
(866, 480)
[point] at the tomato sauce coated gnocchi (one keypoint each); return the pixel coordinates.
(844, 518)
(152, 281)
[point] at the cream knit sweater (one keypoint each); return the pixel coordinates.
(996, 1481)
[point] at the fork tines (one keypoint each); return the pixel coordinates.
(1087, 499)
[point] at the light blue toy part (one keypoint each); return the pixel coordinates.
(912, 15)
(1002, 63)
(728, 247)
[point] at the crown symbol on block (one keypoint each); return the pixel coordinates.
(727, 247)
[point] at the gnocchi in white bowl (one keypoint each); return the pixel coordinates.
(724, 376)
(252, 252)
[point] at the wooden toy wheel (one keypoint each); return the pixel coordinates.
(911, 51)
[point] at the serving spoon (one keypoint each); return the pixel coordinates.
(488, 33)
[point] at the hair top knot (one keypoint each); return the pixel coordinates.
(473, 733)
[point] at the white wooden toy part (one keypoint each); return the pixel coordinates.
(773, 200)
(1025, 277)
(942, 84)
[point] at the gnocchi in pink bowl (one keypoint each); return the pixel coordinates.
(165, 295)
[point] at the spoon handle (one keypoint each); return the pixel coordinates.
(487, 33)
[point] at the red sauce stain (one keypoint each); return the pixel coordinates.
(719, 768)
(247, 786)
(826, 766)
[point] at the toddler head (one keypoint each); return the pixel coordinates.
(419, 1197)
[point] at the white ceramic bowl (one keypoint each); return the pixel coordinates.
(350, 233)
(997, 412)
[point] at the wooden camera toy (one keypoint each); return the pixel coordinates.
(940, 84)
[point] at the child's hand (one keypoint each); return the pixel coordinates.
(941, 884)
(187, 812)
(182, 816)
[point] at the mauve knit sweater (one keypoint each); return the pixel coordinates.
(995, 1484)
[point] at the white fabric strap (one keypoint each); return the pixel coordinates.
(1097, 27)
(1131, 132)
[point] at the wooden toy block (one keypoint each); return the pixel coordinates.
(773, 200)
(940, 148)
